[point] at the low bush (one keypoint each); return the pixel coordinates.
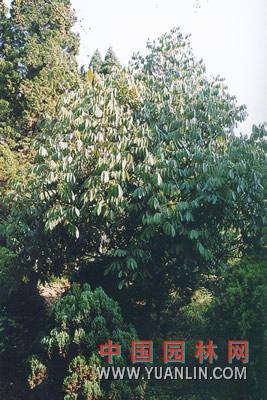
(69, 357)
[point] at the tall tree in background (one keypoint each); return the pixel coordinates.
(96, 61)
(37, 66)
(37, 61)
(9, 81)
(110, 62)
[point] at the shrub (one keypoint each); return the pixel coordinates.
(82, 320)
(239, 312)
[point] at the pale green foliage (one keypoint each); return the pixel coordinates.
(82, 320)
(8, 164)
(96, 62)
(110, 62)
(140, 175)
(82, 378)
(38, 372)
(155, 183)
(141, 170)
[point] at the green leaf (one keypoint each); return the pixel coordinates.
(98, 208)
(169, 229)
(131, 263)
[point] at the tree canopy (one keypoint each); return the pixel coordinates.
(141, 169)
(96, 61)
(37, 61)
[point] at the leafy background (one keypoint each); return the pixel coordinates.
(129, 208)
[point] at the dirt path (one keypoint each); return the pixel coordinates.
(52, 291)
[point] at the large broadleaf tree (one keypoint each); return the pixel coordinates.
(141, 173)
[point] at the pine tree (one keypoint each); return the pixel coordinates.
(9, 81)
(38, 48)
(110, 62)
(96, 61)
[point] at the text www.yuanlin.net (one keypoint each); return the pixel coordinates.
(173, 373)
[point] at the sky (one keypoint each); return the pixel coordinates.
(230, 36)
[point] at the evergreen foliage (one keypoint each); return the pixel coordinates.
(96, 62)
(37, 61)
(110, 62)
(82, 320)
